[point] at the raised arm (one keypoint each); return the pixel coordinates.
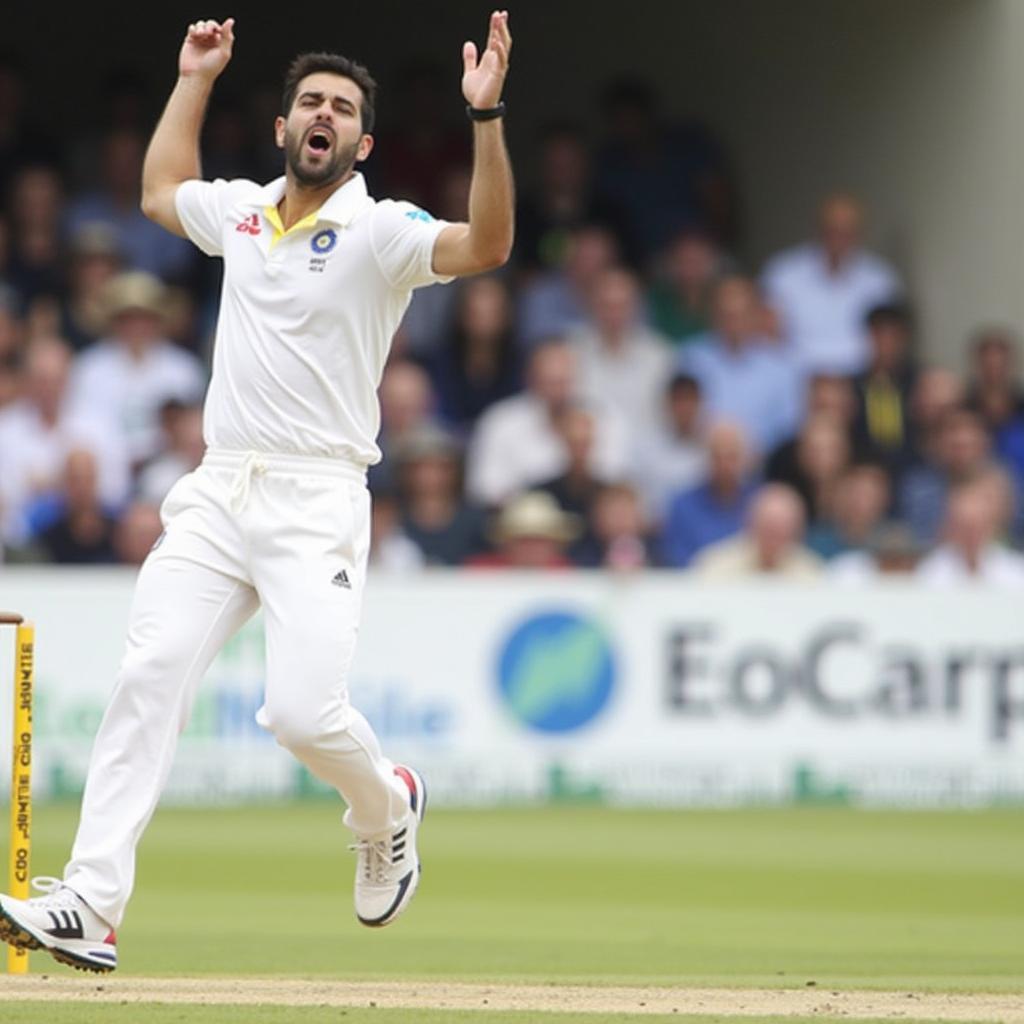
(173, 154)
(486, 241)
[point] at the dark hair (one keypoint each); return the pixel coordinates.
(310, 63)
(890, 314)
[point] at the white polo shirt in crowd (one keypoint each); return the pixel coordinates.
(307, 315)
(823, 313)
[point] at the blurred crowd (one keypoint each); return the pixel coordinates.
(626, 393)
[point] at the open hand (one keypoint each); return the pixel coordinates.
(482, 82)
(207, 48)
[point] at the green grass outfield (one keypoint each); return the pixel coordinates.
(750, 898)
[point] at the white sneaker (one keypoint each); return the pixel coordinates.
(388, 870)
(62, 923)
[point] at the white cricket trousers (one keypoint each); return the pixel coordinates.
(243, 530)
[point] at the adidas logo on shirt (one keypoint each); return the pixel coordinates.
(342, 580)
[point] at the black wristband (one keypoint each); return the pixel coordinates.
(489, 114)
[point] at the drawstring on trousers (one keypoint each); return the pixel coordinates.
(252, 466)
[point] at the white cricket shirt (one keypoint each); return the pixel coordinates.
(306, 316)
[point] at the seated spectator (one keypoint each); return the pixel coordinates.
(623, 365)
(181, 452)
(963, 453)
(144, 245)
(35, 265)
(391, 549)
(680, 299)
(884, 389)
(478, 364)
(822, 291)
(969, 552)
(137, 533)
(827, 397)
(556, 302)
(673, 455)
(996, 395)
(435, 516)
(937, 392)
(10, 346)
(407, 403)
(95, 260)
(83, 532)
(517, 445)
(891, 552)
(561, 201)
(769, 544)
(744, 377)
(822, 455)
(617, 536)
(531, 532)
(134, 370)
(856, 508)
(715, 509)
(37, 434)
(575, 489)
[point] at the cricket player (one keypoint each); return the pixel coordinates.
(317, 275)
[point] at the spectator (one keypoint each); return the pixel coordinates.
(391, 549)
(35, 267)
(561, 201)
(969, 552)
(479, 364)
(407, 403)
(617, 536)
(680, 300)
(995, 394)
(435, 516)
(937, 392)
(672, 456)
(884, 389)
(716, 508)
(623, 365)
(135, 369)
(137, 532)
(828, 397)
(94, 262)
(770, 543)
(744, 377)
(37, 434)
(531, 532)
(822, 291)
(10, 346)
(82, 534)
(556, 302)
(575, 489)
(856, 508)
(144, 245)
(664, 177)
(963, 453)
(21, 140)
(891, 552)
(517, 445)
(822, 455)
(182, 451)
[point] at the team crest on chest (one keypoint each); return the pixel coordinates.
(322, 243)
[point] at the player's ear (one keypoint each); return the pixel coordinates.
(279, 131)
(365, 148)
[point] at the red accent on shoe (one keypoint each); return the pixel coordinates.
(406, 777)
(111, 939)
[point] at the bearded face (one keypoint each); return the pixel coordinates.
(316, 157)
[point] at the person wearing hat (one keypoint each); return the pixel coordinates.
(531, 532)
(134, 370)
(891, 550)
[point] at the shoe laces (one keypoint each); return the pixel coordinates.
(55, 894)
(374, 859)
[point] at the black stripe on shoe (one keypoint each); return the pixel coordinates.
(379, 922)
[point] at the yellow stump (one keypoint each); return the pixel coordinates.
(21, 780)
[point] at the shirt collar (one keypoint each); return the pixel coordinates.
(341, 206)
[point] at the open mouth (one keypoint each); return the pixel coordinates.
(319, 140)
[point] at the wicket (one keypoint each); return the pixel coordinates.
(21, 771)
